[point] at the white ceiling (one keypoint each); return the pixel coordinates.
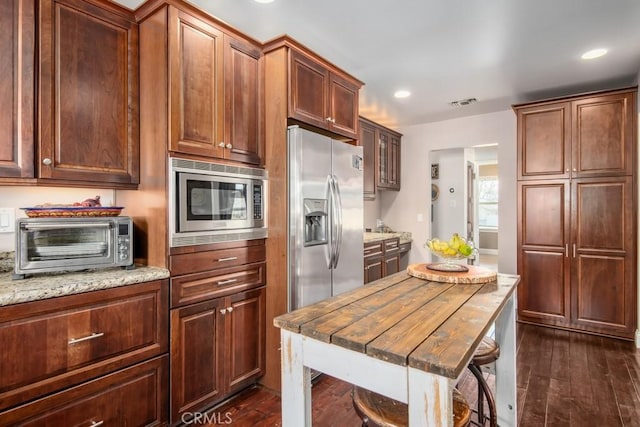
(498, 51)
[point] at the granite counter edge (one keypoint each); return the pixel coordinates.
(59, 285)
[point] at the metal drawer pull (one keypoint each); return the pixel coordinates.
(226, 282)
(229, 309)
(90, 337)
(96, 424)
(231, 258)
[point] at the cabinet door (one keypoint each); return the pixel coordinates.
(245, 320)
(544, 146)
(197, 351)
(382, 157)
(373, 269)
(603, 135)
(308, 100)
(543, 256)
(603, 276)
(343, 103)
(17, 85)
(368, 142)
(242, 99)
(394, 162)
(196, 86)
(88, 103)
(391, 264)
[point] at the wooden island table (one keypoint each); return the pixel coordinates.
(403, 337)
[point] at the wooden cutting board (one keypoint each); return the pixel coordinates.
(474, 275)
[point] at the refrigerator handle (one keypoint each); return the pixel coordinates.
(338, 198)
(332, 232)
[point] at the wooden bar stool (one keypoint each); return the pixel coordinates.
(380, 411)
(487, 352)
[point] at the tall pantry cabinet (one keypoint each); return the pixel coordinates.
(576, 213)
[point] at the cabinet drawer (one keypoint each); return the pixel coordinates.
(209, 260)
(55, 343)
(373, 249)
(391, 246)
(197, 287)
(135, 396)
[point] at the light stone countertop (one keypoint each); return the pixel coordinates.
(43, 286)
(405, 237)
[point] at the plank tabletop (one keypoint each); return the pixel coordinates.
(406, 320)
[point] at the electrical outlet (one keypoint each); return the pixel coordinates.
(7, 220)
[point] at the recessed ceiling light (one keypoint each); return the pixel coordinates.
(594, 53)
(402, 94)
(263, 1)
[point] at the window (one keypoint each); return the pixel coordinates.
(488, 201)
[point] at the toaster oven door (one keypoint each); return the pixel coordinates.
(65, 245)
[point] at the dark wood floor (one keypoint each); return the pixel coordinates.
(563, 379)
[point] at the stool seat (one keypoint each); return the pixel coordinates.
(487, 352)
(376, 410)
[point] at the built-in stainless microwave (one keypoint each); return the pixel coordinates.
(212, 202)
(68, 244)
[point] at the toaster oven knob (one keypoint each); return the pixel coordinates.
(123, 256)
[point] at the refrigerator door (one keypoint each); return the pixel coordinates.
(348, 272)
(309, 206)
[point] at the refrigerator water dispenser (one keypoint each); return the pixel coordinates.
(315, 222)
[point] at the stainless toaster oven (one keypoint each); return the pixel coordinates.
(67, 244)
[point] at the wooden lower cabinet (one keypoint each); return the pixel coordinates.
(217, 348)
(577, 250)
(90, 357)
(134, 396)
(381, 258)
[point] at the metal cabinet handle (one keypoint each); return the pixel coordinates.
(574, 250)
(221, 144)
(231, 258)
(229, 309)
(229, 146)
(89, 337)
(223, 311)
(566, 250)
(226, 282)
(46, 161)
(96, 423)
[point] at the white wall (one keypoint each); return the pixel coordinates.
(21, 197)
(372, 212)
(400, 210)
(449, 209)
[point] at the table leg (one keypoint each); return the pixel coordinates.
(506, 396)
(430, 399)
(296, 382)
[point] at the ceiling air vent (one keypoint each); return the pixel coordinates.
(463, 102)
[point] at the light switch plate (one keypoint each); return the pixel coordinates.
(7, 220)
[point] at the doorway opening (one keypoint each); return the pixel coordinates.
(464, 198)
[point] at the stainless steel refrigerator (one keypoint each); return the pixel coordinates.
(325, 217)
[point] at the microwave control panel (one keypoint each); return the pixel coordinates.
(124, 236)
(257, 201)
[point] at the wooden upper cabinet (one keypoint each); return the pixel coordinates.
(545, 147)
(585, 136)
(17, 87)
(196, 86)
(215, 91)
(243, 100)
(322, 97)
(308, 101)
(88, 93)
(368, 142)
(603, 135)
